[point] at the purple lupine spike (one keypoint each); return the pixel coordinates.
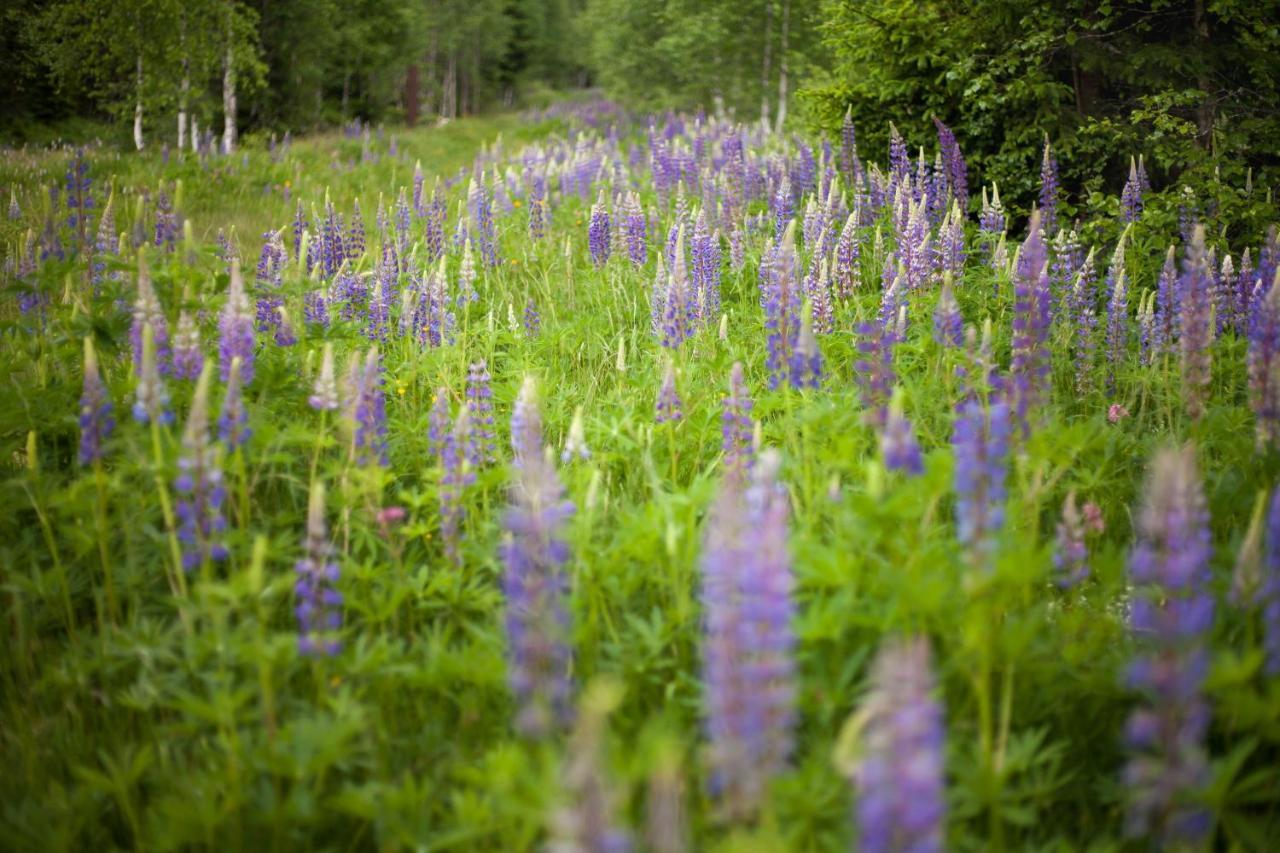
(467, 276)
(318, 604)
(534, 583)
(1081, 305)
(1118, 333)
(914, 247)
(147, 312)
(1225, 289)
(299, 228)
(1030, 362)
(151, 399)
(679, 313)
(458, 474)
(669, 408)
(1269, 589)
(980, 440)
(15, 212)
(370, 413)
(847, 254)
(991, 221)
(233, 421)
(1171, 617)
(636, 229)
(1195, 331)
(899, 772)
(315, 308)
(1048, 190)
(737, 246)
(1264, 366)
(874, 370)
(434, 231)
(199, 489)
(532, 320)
(188, 357)
(817, 287)
(806, 359)
(782, 307)
(538, 213)
(480, 209)
(748, 644)
(899, 160)
(1071, 549)
(96, 421)
(480, 408)
(1246, 281)
(850, 165)
(586, 821)
(955, 170)
(104, 246)
(737, 427)
(419, 182)
(235, 330)
(705, 251)
(948, 249)
(598, 236)
(948, 322)
(781, 203)
(899, 449)
(166, 223)
(354, 242)
(438, 422)
(1131, 196)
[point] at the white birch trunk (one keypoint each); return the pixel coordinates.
(782, 68)
(138, 141)
(229, 100)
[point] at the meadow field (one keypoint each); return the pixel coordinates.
(585, 479)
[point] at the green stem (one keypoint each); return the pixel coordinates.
(177, 575)
(108, 574)
(58, 567)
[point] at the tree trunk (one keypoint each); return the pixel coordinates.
(411, 95)
(183, 91)
(195, 136)
(449, 97)
(137, 110)
(1204, 114)
(782, 67)
(764, 63)
(229, 99)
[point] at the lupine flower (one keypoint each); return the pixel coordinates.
(899, 449)
(899, 774)
(1131, 196)
(635, 228)
(467, 276)
(669, 407)
(1048, 190)
(318, 604)
(96, 421)
(1029, 365)
(955, 171)
(166, 223)
(748, 667)
(532, 322)
(737, 427)
(1171, 618)
(1269, 590)
(678, 315)
(188, 357)
(1071, 552)
(370, 413)
(1117, 313)
(199, 486)
(438, 422)
(147, 312)
(324, 394)
(1225, 290)
(1167, 307)
(1196, 325)
(782, 306)
(598, 236)
(1264, 366)
(104, 245)
(235, 330)
(233, 421)
(991, 220)
(575, 444)
(534, 584)
(850, 166)
(457, 476)
(15, 212)
(586, 823)
(874, 370)
(151, 399)
(480, 407)
(806, 358)
(846, 274)
(981, 442)
(948, 322)
(480, 207)
(705, 250)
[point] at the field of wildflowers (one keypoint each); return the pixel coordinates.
(593, 481)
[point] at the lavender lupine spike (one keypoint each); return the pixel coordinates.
(458, 474)
(15, 212)
(1048, 190)
(1196, 325)
(598, 231)
(955, 170)
(370, 413)
(1118, 333)
(480, 208)
(981, 442)
(1030, 362)
(635, 227)
(1226, 308)
(1269, 589)
(669, 408)
(806, 358)
(480, 408)
(104, 245)
(199, 489)
(948, 322)
(324, 394)
(438, 422)
(737, 427)
(846, 272)
(235, 329)
(1167, 307)
(874, 370)
(151, 399)
(991, 220)
(899, 449)
(1131, 196)
(575, 443)
(1071, 549)
(532, 321)
(233, 421)
(782, 307)
(534, 584)
(1084, 323)
(188, 357)
(679, 313)
(899, 771)
(586, 822)
(318, 604)
(419, 206)
(1264, 366)
(1171, 617)
(96, 421)
(748, 640)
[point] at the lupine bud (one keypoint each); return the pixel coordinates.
(233, 422)
(899, 449)
(669, 406)
(318, 604)
(151, 401)
(96, 421)
(235, 329)
(199, 486)
(981, 442)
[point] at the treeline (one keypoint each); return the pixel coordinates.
(164, 66)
